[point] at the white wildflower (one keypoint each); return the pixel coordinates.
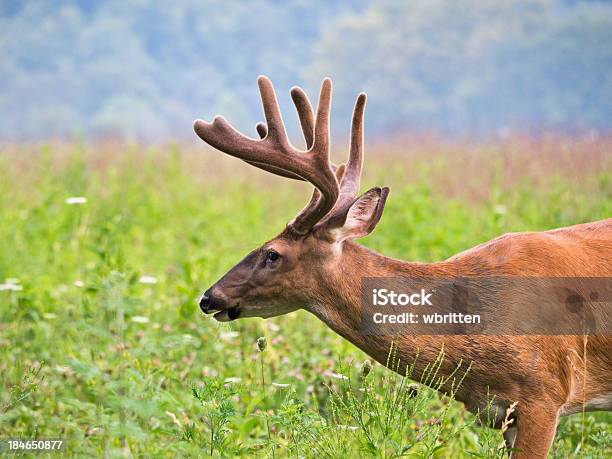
(229, 335)
(140, 319)
(63, 369)
(338, 376)
(351, 428)
(79, 283)
(76, 200)
(147, 280)
(500, 209)
(281, 385)
(11, 287)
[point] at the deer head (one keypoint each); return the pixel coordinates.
(288, 272)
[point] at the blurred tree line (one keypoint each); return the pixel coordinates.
(141, 69)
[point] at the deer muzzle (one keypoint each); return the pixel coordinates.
(210, 303)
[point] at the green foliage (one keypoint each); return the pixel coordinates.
(215, 399)
(105, 294)
(21, 391)
(383, 411)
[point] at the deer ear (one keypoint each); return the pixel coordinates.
(361, 217)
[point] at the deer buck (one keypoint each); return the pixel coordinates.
(314, 264)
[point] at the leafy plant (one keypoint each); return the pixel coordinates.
(215, 398)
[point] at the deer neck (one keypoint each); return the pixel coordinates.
(339, 304)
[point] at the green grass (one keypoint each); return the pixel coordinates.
(122, 368)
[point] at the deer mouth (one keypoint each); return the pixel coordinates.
(227, 315)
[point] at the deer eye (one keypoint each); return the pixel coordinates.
(272, 256)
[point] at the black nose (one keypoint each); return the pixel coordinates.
(205, 301)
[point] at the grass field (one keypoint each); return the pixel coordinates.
(102, 342)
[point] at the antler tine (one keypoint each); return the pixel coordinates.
(321, 127)
(274, 119)
(350, 181)
(262, 130)
(318, 206)
(305, 114)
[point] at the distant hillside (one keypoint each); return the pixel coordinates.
(147, 69)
